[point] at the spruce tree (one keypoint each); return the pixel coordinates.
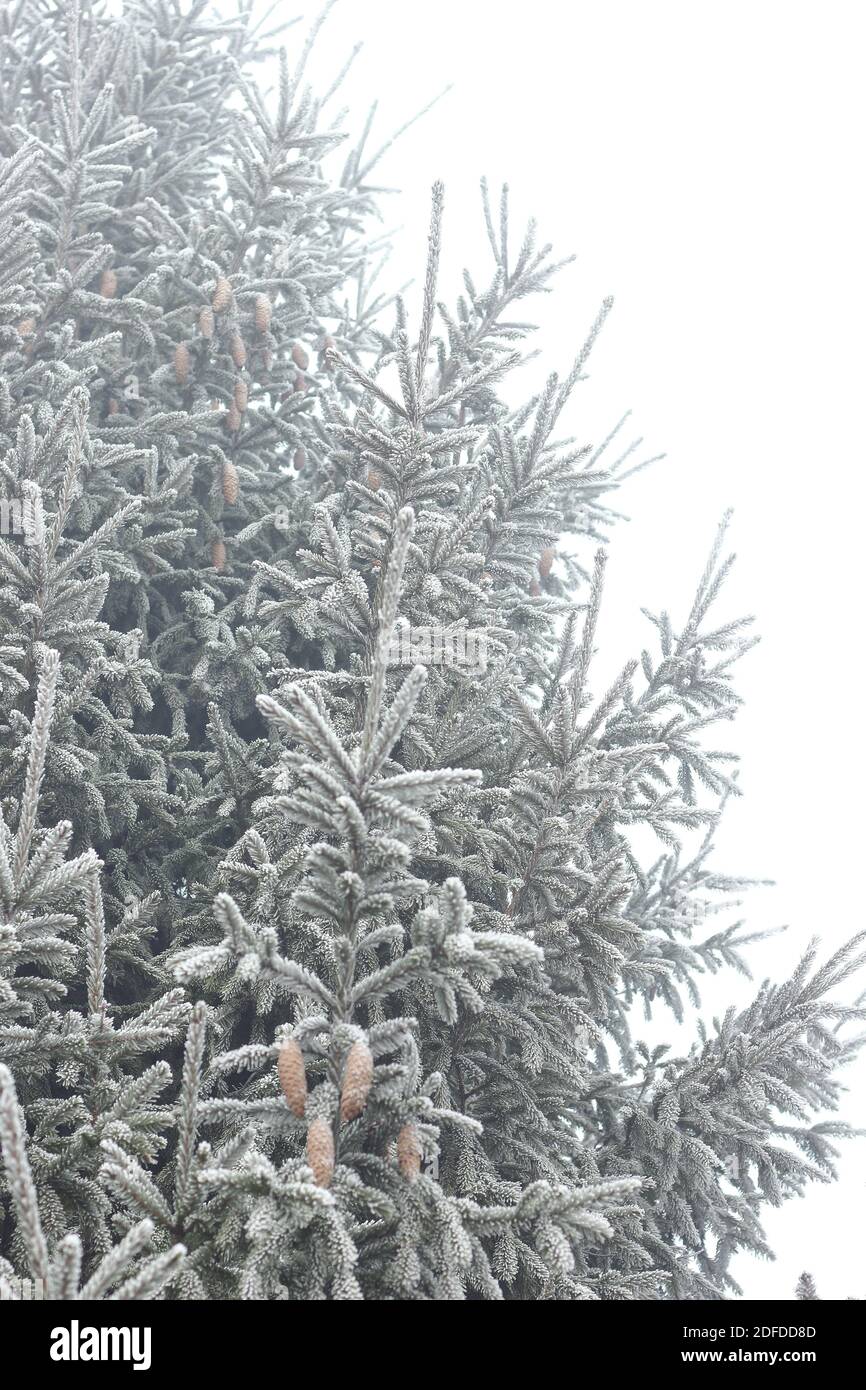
(806, 1289)
(321, 943)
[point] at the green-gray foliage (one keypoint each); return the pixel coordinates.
(229, 822)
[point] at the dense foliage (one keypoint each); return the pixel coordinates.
(317, 964)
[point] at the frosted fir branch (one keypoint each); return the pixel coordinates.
(430, 279)
(94, 916)
(68, 1260)
(394, 722)
(98, 537)
(575, 374)
(367, 382)
(387, 606)
(21, 1185)
(40, 732)
(125, 1177)
(362, 172)
(189, 1092)
(306, 723)
(48, 883)
(116, 1261)
(484, 375)
(298, 979)
(412, 965)
(152, 1276)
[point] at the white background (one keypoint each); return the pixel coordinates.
(705, 161)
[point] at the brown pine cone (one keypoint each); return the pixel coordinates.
(320, 1151)
(357, 1080)
(231, 485)
(222, 295)
(218, 554)
(181, 364)
(300, 357)
(238, 350)
(409, 1152)
(262, 313)
(293, 1077)
(108, 284)
(206, 322)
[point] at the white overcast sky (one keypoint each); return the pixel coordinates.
(704, 160)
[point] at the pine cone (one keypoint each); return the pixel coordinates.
(262, 313)
(293, 1077)
(231, 485)
(299, 384)
(242, 395)
(300, 458)
(320, 1151)
(374, 482)
(222, 295)
(535, 588)
(233, 419)
(300, 357)
(206, 322)
(238, 350)
(108, 284)
(26, 328)
(113, 406)
(181, 364)
(545, 563)
(357, 1080)
(409, 1152)
(218, 554)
